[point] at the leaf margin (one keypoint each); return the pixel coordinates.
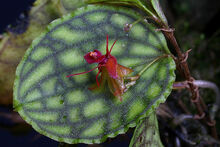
(19, 109)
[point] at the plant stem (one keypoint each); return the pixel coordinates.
(152, 62)
(195, 98)
(213, 86)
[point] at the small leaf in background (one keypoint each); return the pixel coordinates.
(64, 108)
(159, 11)
(146, 133)
(67, 6)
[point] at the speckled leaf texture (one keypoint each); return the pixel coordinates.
(64, 109)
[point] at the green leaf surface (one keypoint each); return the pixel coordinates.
(146, 133)
(64, 108)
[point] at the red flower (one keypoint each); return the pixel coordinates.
(110, 70)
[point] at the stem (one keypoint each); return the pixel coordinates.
(213, 86)
(179, 119)
(202, 84)
(140, 5)
(152, 62)
(196, 99)
(136, 3)
(83, 72)
(180, 85)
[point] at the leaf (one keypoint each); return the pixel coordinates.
(14, 44)
(152, 8)
(146, 133)
(64, 108)
(138, 3)
(159, 11)
(66, 6)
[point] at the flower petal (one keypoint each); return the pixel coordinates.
(94, 57)
(111, 66)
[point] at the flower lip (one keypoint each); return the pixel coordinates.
(94, 57)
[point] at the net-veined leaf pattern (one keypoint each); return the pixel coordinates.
(63, 108)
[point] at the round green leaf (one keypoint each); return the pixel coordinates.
(64, 108)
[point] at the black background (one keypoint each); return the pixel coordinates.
(13, 12)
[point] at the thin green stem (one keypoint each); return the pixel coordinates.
(143, 7)
(136, 3)
(151, 63)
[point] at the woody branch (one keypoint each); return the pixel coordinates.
(184, 69)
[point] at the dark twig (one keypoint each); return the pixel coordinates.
(179, 119)
(180, 85)
(213, 86)
(180, 135)
(195, 98)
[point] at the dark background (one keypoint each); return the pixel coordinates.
(12, 13)
(197, 26)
